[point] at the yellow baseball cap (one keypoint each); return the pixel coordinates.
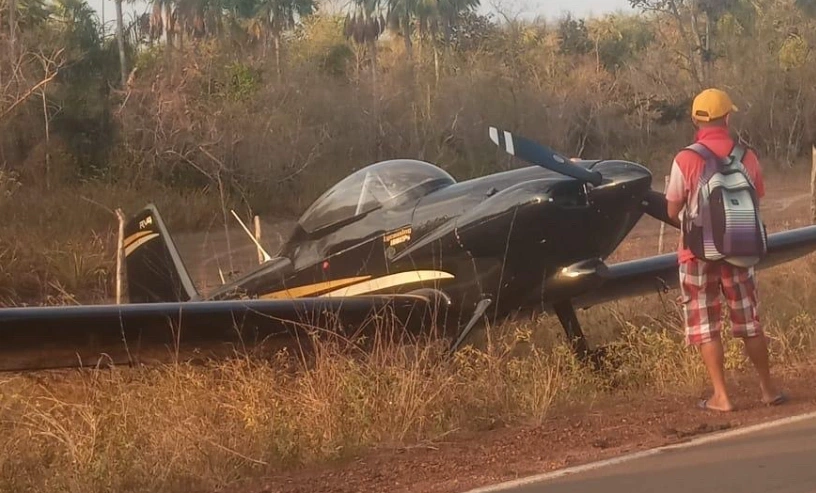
(711, 104)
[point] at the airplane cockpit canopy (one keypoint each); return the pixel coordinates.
(381, 185)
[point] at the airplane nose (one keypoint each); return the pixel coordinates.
(623, 174)
(526, 217)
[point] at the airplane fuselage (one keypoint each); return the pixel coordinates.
(524, 238)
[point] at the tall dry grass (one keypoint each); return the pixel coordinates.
(199, 428)
(59, 247)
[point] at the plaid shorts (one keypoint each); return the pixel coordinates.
(701, 284)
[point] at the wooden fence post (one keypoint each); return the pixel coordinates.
(662, 224)
(119, 250)
(257, 221)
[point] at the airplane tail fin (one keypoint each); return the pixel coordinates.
(155, 271)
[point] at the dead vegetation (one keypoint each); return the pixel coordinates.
(203, 428)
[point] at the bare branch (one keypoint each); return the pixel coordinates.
(27, 95)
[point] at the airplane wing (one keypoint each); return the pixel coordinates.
(72, 336)
(659, 273)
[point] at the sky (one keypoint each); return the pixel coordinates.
(529, 9)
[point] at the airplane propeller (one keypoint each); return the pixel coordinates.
(539, 155)
(653, 204)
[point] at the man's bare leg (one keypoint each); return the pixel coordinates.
(713, 358)
(757, 350)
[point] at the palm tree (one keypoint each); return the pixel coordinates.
(22, 15)
(427, 16)
(450, 13)
(364, 27)
(163, 21)
(272, 17)
(27, 14)
(400, 17)
(120, 40)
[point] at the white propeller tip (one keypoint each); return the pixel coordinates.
(494, 135)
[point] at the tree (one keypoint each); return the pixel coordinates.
(617, 40)
(400, 17)
(573, 37)
(364, 25)
(451, 12)
(685, 15)
(12, 16)
(120, 39)
(273, 17)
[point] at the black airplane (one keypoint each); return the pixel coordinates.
(403, 236)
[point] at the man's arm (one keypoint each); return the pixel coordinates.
(674, 209)
(676, 192)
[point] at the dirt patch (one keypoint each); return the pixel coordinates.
(569, 437)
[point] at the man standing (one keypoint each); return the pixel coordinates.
(703, 281)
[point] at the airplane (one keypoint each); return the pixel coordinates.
(401, 236)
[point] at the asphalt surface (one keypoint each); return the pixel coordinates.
(771, 460)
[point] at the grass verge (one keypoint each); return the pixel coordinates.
(203, 428)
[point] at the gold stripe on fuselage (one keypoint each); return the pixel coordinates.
(310, 289)
(135, 236)
(139, 242)
(355, 286)
(390, 281)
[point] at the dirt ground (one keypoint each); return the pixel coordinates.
(607, 428)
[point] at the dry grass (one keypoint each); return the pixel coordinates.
(59, 246)
(199, 428)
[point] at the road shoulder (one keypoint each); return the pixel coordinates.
(615, 426)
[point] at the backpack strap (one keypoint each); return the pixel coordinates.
(735, 158)
(702, 150)
(713, 163)
(737, 154)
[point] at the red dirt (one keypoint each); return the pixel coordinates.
(608, 428)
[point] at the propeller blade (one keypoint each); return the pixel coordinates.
(654, 204)
(539, 155)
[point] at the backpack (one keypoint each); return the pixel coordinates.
(728, 225)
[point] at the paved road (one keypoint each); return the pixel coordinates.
(774, 460)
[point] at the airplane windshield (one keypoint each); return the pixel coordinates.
(383, 184)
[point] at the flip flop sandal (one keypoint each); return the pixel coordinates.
(780, 399)
(703, 404)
